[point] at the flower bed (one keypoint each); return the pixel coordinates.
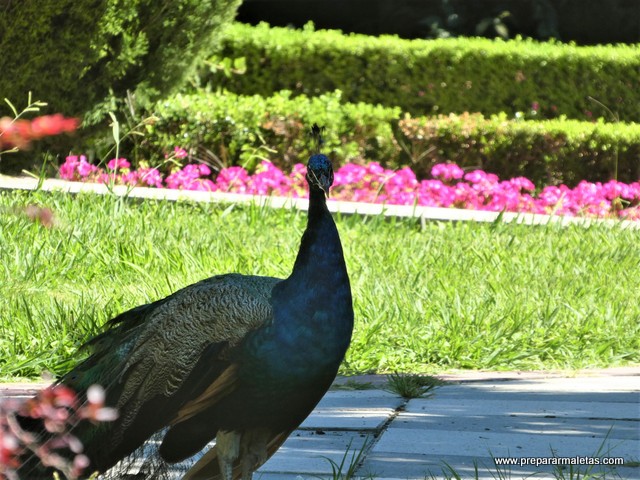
(232, 130)
(450, 186)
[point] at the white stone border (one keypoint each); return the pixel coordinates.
(347, 208)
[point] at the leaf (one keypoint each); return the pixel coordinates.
(483, 25)
(13, 109)
(240, 65)
(501, 29)
(115, 127)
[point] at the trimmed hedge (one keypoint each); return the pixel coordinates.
(225, 129)
(548, 152)
(433, 76)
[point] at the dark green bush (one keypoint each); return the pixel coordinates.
(82, 56)
(427, 77)
(225, 129)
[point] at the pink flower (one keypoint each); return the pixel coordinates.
(268, 179)
(68, 168)
(179, 152)
(130, 178)
(447, 171)
(151, 177)
(481, 177)
(188, 178)
(84, 168)
(118, 163)
(440, 195)
(233, 179)
(522, 183)
(374, 168)
(204, 170)
(373, 183)
(349, 174)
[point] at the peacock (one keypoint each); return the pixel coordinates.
(243, 359)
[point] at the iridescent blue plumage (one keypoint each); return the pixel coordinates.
(242, 359)
(320, 172)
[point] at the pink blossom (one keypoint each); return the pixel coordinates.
(268, 179)
(189, 178)
(118, 163)
(350, 174)
(480, 177)
(60, 410)
(233, 179)
(522, 183)
(84, 168)
(447, 171)
(373, 183)
(150, 177)
(67, 170)
(374, 168)
(130, 178)
(179, 152)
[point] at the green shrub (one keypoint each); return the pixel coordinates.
(225, 129)
(548, 152)
(432, 76)
(82, 56)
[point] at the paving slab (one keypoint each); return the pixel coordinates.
(308, 454)
(485, 443)
(353, 410)
(625, 430)
(337, 429)
(466, 425)
(530, 407)
(426, 467)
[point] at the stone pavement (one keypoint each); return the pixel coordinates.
(467, 422)
(589, 417)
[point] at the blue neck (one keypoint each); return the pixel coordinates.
(319, 267)
(313, 306)
(303, 346)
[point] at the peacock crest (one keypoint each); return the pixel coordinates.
(316, 133)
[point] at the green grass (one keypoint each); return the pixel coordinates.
(353, 385)
(427, 298)
(349, 463)
(413, 385)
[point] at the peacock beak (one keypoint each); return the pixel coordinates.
(321, 180)
(325, 184)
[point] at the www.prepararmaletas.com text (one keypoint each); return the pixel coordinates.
(541, 461)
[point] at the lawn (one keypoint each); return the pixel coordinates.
(428, 298)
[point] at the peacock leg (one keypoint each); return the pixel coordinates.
(254, 451)
(228, 446)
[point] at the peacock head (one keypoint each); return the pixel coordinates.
(320, 173)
